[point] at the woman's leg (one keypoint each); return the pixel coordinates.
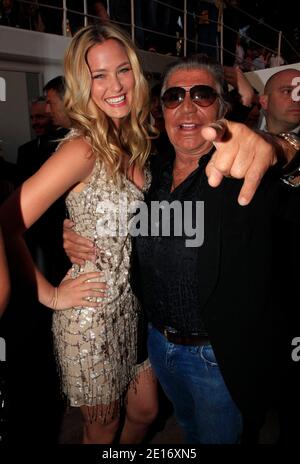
(94, 430)
(141, 407)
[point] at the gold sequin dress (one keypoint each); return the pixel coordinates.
(97, 347)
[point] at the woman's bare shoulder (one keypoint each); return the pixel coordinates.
(77, 142)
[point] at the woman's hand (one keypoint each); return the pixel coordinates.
(79, 292)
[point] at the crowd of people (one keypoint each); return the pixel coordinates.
(153, 18)
(147, 299)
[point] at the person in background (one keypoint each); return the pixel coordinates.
(282, 112)
(55, 259)
(50, 122)
(160, 144)
(52, 16)
(10, 13)
(33, 154)
(243, 98)
(54, 93)
(261, 58)
(40, 119)
(276, 60)
(120, 11)
(232, 19)
(207, 27)
(31, 17)
(99, 12)
(156, 109)
(239, 53)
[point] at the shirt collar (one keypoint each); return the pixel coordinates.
(263, 127)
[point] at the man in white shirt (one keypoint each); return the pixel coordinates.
(282, 112)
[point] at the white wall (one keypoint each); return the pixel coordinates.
(31, 46)
(14, 119)
(48, 50)
(24, 52)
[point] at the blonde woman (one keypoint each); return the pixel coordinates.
(103, 159)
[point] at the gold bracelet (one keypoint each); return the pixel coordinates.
(291, 138)
(291, 172)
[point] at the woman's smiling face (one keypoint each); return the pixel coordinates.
(112, 79)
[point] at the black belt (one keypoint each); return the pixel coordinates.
(178, 339)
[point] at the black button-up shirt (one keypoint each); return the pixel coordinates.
(167, 269)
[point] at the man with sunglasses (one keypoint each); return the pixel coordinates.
(209, 338)
(214, 321)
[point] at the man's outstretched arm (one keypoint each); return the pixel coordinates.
(243, 154)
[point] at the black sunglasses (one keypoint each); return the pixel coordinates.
(202, 95)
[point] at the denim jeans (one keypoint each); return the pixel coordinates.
(191, 379)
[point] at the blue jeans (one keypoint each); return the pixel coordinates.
(191, 379)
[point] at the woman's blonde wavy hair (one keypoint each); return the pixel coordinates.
(108, 142)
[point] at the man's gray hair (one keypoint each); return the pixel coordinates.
(198, 62)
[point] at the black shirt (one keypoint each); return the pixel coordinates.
(168, 266)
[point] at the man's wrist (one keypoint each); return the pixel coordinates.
(288, 156)
(291, 171)
(291, 142)
(286, 150)
(280, 146)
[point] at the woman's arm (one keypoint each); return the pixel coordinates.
(4, 277)
(70, 165)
